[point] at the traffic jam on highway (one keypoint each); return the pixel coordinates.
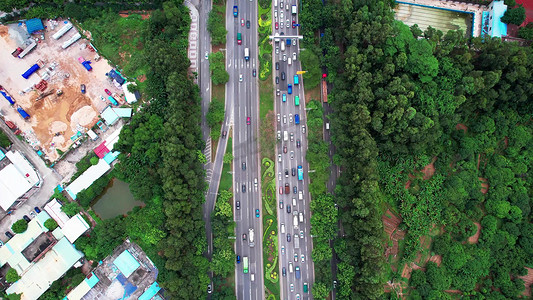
(295, 243)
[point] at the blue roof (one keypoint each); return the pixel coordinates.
(2, 155)
(499, 28)
(126, 263)
(34, 25)
(92, 280)
(150, 292)
(110, 157)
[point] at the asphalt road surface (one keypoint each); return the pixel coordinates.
(295, 253)
(242, 90)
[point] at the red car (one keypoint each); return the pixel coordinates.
(248, 121)
(242, 22)
(293, 24)
(277, 25)
(107, 92)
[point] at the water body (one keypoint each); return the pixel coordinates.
(116, 200)
(443, 20)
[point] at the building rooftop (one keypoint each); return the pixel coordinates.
(87, 178)
(16, 179)
(498, 28)
(87, 284)
(111, 114)
(130, 97)
(53, 208)
(126, 263)
(38, 278)
(75, 227)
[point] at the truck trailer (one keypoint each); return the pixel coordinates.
(27, 50)
(23, 113)
(30, 71)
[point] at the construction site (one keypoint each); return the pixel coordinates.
(54, 85)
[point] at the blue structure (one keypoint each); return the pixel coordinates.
(150, 292)
(115, 75)
(23, 113)
(126, 263)
(11, 101)
(496, 27)
(34, 25)
(87, 65)
(30, 71)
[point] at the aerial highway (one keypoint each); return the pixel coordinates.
(295, 243)
(242, 90)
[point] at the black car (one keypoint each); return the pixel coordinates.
(288, 237)
(26, 218)
(224, 133)
(295, 190)
(277, 65)
(37, 210)
(244, 236)
(248, 24)
(9, 234)
(244, 188)
(282, 75)
(244, 166)
(288, 209)
(254, 73)
(293, 171)
(284, 272)
(238, 204)
(298, 144)
(286, 172)
(277, 79)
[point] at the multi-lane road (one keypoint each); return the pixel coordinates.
(242, 90)
(293, 207)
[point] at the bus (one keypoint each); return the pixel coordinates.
(245, 264)
(300, 173)
(296, 100)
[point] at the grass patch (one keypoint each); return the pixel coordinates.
(266, 100)
(270, 225)
(226, 178)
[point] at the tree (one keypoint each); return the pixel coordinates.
(219, 75)
(320, 290)
(20, 226)
(12, 275)
(94, 160)
(311, 64)
(215, 114)
(526, 32)
(514, 16)
(71, 208)
(51, 224)
(4, 140)
(228, 158)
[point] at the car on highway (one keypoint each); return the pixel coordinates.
(247, 120)
(284, 98)
(288, 23)
(284, 57)
(296, 257)
(277, 65)
(255, 182)
(277, 92)
(293, 24)
(206, 56)
(301, 233)
(303, 258)
(284, 271)
(297, 272)
(279, 133)
(288, 209)
(238, 259)
(282, 249)
(291, 269)
(279, 157)
(297, 296)
(290, 118)
(244, 188)
(37, 210)
(279, 175)
(292, 287)
(242, 22)
(277, 79)
(292, 154)
(277, 50)
(284, 149)
(298, 144)
(294, 202)
(282, 75)
(257, 212)
(282, 228)
(9, 234)
(240, 78)
(244, 166)
(224, 133)
(289, 89)
(284, 119)
(294, 42)
(281, 204)
(294, 56)
(293, 171)
(279, 120)
(26, 218)
(281, 190)
(292, 136)
(287, 188)
(306, 287)
(238, 204)
(235, 11)
(276, 25)
(244, 236)
(254, 73)
(288, 237)
(303, 128)
(281, 24)
(286, 173)
(295, 189)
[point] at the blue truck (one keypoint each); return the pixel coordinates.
(23, 113)
(288, 42)
(296, 79)
(30, 71)
(289, 87)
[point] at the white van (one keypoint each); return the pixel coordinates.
(252, 277)
(294, 202)
(295, 221)
(289, 61)
(301, 217)
(291, 269)
(282, 46)
(282, 227)
(285, 135)
(327, 126)
(275, 3)
(300, 195)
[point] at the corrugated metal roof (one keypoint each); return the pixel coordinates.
(126, 263)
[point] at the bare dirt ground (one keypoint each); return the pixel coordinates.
(390, 223)
(54, 119)
(528, 280)
(475, 238)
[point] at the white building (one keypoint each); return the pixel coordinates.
(16, 179)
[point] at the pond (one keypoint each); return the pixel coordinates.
(116, 200)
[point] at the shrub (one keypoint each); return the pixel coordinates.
(71, 208)
(12, 275)
(4, 140)
(51, 224)
(94, 160)
(20, 226)
(514, 15)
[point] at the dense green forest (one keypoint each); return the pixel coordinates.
(403, 98)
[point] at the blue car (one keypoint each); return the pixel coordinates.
(290, 89)
(297, 119)
(238, 259)
(284, 98)
(257, 213)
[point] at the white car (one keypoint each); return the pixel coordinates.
(240, 78)
(290, 118)
(277, 50)
(284, 57)
(284, 119)
(279, 176)
(279, 118)
(294, 42)
(206, 55)
(288, 23)
(303, 258)
(281, 15)
(276, 14)
(279, 159)
(281, 24)
(292, 154)
(294, 56)
(292, 287)
(282, 249)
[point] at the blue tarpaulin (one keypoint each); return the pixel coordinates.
(23, 113)
(87, 65)
(7, 97)
(34, 25)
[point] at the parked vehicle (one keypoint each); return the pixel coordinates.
(37, 210)
(26, 218)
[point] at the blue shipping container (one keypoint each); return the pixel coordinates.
(11, 101)
(112, 100)
(23, 113)
(87, 65)
(30, 71)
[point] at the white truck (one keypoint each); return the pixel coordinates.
(247, 54)
(294, 10)
(251, 237)
(295, 221)
(296, 241)
(285, 135)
